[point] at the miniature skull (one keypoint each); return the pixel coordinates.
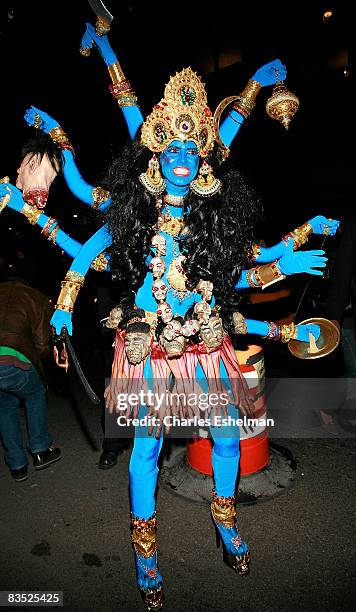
(190, 328)
(165, 312)
(159, 290)
(212, 332)
(137, 346)
(159, 243)
(157, 266)
(203, 311)
(172, 339)
(240, 326)
(114, 318)
(206, 289)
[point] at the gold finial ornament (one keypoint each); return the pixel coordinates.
(182, 114)
(282, 105)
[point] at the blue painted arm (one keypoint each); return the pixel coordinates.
(81, 264)
(17, 203)
(266, 75)
(318, 224)
(291, 262)
(132, 114)
(261, 328)
(78, 186)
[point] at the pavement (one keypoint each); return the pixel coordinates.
(67, 529)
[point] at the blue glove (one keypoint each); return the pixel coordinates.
(267, 74)
(62, 318)
(101, 42)
(319, 222)
(294, 262)
(47, 122)
(304, 330)
(16, 201)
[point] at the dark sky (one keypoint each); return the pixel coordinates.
(300, 173)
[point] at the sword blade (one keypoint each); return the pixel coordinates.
(100, 10)
(91, 394)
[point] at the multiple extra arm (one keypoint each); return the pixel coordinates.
(96, 197)
(74, 279)
(120, 87)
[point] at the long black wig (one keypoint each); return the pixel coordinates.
(220, 233)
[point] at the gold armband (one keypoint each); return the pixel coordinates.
(121, 88)
(71, 286)
(100, 195)
(32, 213)
(299, 235)
(246, 101)
(59, 136)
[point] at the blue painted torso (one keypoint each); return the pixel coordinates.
(144, 297)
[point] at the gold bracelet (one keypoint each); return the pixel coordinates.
(300, 235)
(71, 286)
(100, 195)
(246, 101)
(100, 263)
(268, 273)
(250, 277)
(32, 213)
(59, 136)
(288, 332)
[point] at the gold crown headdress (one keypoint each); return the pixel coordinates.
(183, 114)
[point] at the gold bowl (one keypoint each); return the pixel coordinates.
(327, 342)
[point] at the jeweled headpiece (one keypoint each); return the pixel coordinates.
(183, 114)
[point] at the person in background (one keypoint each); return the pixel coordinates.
(24, 340)
(342, 291)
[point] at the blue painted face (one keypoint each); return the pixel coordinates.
(180, 163)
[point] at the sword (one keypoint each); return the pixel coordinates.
(103, 17)
(61, 343)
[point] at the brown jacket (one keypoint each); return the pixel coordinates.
(24, 321)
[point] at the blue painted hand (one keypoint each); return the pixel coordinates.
(303, 332)
(61, 319)
(46, 122)
(16, 201)
(101, 42)
(297, 262)
(269, 73)
(322, 225)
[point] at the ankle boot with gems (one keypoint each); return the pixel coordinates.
(149, 580)
(236, 551)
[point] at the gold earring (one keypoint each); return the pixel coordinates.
(152, 179)
(205, 184)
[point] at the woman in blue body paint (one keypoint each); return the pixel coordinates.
(179, 232)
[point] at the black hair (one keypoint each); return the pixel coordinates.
(220, 235)
(43, 145)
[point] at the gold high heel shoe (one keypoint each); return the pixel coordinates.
(143, 536)
(224, 512)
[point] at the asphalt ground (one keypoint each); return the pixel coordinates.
(67, 529)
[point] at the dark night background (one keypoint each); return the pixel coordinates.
(300, 173)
